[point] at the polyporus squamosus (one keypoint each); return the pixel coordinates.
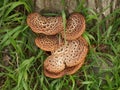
(45, 25)
(75, 27)
(48, 42)
(67, 58)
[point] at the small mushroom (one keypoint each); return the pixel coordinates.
(48, 43)
(75, 27)
(67, 59)
(45, 25)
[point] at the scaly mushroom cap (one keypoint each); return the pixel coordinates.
(72, 70)
(75, 27)
(66, 71)
(66, 59)
(48, 43)
(54, 63)
(45, 25)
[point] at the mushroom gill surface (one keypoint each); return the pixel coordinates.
(48, 42)
(75, 27)
(45, 25)
(67, 59)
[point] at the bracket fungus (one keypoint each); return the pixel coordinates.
(45, 25)
(48, 42)
(66, 58)
(75, 27)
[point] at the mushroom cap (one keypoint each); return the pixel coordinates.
(53, 75)
(75, 27)
(72, 70)
(48, 43)
(54, 63)
(45, 25)
(66, 59)
(66, 71)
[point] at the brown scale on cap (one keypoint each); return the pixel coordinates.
(45, 25)
(48, 43)
(66, 59)
(75, 27)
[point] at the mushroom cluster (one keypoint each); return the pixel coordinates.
(66, 58)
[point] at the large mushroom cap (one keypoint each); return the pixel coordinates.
(66, 59)
(75, 27)
(48, 43)
(45, 25)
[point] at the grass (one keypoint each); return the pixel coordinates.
(21, 62)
